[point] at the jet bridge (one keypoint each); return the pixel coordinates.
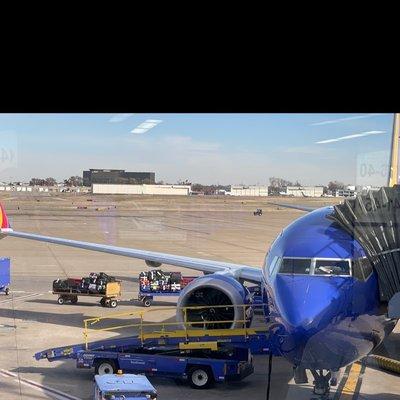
(373, 219)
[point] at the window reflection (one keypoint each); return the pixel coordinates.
(332, 267)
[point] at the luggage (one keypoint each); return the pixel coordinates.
(59, 285)
(176, 277)
(95, 283)
(160, 281)
(92, 287)
(186, 280)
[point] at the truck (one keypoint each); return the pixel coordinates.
(96, 285)
(5, 278)
(158, 283)
(121, 386)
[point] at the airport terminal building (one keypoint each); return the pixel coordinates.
(117, 176)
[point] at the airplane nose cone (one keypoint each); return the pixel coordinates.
(315, 312)
(308, 302)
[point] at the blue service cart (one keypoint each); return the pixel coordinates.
(5, 275)
(123, 387)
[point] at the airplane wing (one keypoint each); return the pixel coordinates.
(238, 271)
(296, 207)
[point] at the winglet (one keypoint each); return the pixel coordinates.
(295, 207)
(4, 224)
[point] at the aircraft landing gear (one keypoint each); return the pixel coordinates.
(321, 384)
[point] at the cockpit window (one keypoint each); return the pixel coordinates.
(274, 264)
(332, 267)
(295, 266)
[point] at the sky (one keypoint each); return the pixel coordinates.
(203, 148)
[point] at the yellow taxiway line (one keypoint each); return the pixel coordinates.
(351, 386)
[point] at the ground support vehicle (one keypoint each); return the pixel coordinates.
(123, 387)
(158, 283)
(108, 299)
(5, 278)
(200, 367)
(199, 356)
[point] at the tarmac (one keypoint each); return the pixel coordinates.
(220, 228)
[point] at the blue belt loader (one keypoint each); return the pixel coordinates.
(201, 360)
(199, 356)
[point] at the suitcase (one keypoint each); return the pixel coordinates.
(176, 277)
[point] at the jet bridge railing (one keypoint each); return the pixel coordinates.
(186, 329)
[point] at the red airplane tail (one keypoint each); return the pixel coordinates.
(4, 224)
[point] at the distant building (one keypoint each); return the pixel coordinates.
(117, 176)
(248, 191)
(42, 189)
(304, 191)
(177, 190)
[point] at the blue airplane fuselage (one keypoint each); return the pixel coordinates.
(325, 321)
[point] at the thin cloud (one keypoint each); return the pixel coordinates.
(146, 125)
(354, 136)
(120, 117)
(338, 120)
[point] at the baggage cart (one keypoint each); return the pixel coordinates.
(5, 278)
(109, 299)
(157, 283)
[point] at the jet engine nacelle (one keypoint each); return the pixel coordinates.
(223, 298)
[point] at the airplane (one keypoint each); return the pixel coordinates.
(318, 286)
(320, 292)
